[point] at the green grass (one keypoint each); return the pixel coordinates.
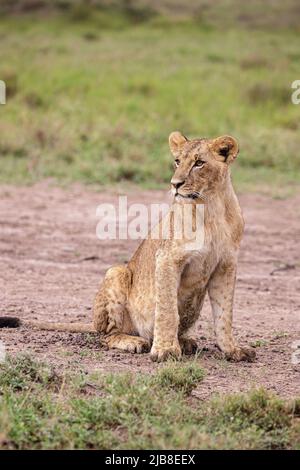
(93, 97)
(259, 343)
(41, 409)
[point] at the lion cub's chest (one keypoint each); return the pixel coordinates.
(198, 270)
(193, 284)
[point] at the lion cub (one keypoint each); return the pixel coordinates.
(154, 300)
(158, 296)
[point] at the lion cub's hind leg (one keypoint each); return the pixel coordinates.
(111, 315)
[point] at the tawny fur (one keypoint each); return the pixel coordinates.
(155, 300)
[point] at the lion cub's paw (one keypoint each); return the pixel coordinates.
(160, 354)
(138, 345)
(133, 344)
(241, 354)
(189, 346)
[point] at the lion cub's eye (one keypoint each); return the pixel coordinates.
(199, 163)
(177, 162)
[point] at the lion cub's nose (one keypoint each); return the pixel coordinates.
(176, 183)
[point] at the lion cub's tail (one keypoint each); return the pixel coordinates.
(14, 322)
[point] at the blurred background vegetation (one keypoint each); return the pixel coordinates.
(95, 87)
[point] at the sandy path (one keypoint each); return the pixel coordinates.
(51, 263)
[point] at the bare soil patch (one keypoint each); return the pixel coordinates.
(51, 264)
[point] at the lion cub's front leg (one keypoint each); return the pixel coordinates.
(165, 342)
(221, 292)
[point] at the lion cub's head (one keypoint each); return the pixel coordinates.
(201, 165)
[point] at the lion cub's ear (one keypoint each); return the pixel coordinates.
(225, 148)
(176, 142)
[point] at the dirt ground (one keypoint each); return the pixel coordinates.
(51, 264)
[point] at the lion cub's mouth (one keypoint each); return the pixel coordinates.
(191, 196)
